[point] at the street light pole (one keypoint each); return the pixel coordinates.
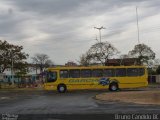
(12, 71)
(12, 76)
(99, 31)
(137, 24)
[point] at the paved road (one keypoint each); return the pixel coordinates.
(76, 102)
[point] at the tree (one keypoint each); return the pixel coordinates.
(42, 61)
(124, 56)
(158, 70)
(23, 71)
(11, 55)
(85, 59)
(99, 53)
(151, 71)
(143, 53)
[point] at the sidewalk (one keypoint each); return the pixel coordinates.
(16, 87)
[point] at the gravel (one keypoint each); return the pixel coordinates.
(139, 97)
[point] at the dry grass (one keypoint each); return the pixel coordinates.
(140, 97)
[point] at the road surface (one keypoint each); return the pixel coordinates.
(72, 103)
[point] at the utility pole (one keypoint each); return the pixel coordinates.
(96, 39)
(12, 71)
(99, 31)
(137, 24)
(12, 76)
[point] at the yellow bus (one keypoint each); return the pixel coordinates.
(95, 77)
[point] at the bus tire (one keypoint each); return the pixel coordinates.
(61, 88)
(113, 86)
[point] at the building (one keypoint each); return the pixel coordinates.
(125, 61)
(70, 63)
(32, 74)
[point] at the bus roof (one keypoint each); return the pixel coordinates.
(93, 67)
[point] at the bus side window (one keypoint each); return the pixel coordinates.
(132, 72)
(108, 72)
(120, 72)
(74, 73)
(97, 73)
(141, 71)
(85, 73)
(64, 74)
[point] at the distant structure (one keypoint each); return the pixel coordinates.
(125, 61)
(70, 63)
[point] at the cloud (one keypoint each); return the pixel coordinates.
(65, 29)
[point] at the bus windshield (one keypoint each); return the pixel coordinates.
(51, 76)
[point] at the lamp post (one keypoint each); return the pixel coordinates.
(137, 24)
(100, 31)
(12, 76)
(12, 71)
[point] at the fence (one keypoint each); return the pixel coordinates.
(21, 82)
(154, 79)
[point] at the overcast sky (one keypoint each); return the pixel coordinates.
(64, 29)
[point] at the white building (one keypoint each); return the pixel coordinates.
(32, 74)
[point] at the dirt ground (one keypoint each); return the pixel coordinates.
(146, 96)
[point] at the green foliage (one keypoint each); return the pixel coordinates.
(98, 53)
(11, 53)
(21, 73)
(143, 53)
(151, 72)
(85, 59)
(158, 70)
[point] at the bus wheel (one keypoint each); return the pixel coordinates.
(113, 87)
(61, 88)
